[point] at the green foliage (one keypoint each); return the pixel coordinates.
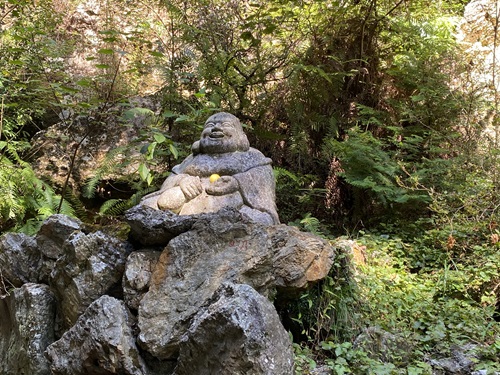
(25, 200)
(304, 190)
(370, 167)
(401, 300)
(32, 79)
(426, 313)
(327, 315)
(370, 84)
(115, 161)
(240, 49)
(300, 84)
(111, 163)
(374, 89)
(116, 207)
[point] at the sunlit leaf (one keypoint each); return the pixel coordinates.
(143, 171)
(105, 51)
(173, 150)
(160, 138)
(156, 54)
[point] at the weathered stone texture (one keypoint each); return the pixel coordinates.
(91, 266)
(220, 248)
(252, 339)
(27, 318)
(152, 227)
(137, 275)
(19, 260)
(201, 294)
(101, 342)
(53, 232)
(299, 258)
(50, 241)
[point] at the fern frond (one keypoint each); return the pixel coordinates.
(108, 206)
(118, 207)
(282, 172)
(112, 162)
(10, 151)
(310, 223)
(25, 200)
(77, 205)
(66, 208)
(90, 186)
(31, 226)
(115, 207)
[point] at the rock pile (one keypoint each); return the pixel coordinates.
(184, 295)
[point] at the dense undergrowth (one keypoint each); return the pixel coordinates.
(405, 294)
(386, 317)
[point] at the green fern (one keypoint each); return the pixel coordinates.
(112, 207)
(311, 224)
(116, 207)
(25, 200)
(76, 204)
(282, 172)
(31, 226)
(113, 162)
(371, 166)
(9, 152)
(90, 186)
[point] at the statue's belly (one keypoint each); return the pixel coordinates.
(211, 203)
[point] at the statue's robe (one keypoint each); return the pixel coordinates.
(250, 168)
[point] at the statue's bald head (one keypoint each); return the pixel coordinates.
(223, 133)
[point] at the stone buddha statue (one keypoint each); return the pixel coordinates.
(222, 171)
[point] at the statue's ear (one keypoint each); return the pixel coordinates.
(195, 148)
(244, 144)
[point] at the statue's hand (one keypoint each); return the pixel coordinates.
(224, 185)
(191, 187)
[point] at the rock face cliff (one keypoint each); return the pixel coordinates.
(184, 295)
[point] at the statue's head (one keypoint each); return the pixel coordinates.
(223, 133)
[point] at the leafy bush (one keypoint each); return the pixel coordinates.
(25, 200)
(424, 313)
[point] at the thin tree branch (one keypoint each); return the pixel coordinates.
(391, 10)
(9, 10)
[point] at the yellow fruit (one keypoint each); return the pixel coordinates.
(214, 177)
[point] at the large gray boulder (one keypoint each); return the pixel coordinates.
(92, 265)
(101, 342)
(239, 333)
(221, 248)
(27, 318)
(461, 360)
(19, 260)
(54, 231)
(151, 227)
(26, 259)
(50, 239)
(191, 268)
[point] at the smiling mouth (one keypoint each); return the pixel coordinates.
(216, 135)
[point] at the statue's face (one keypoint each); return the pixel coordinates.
(223, 133)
